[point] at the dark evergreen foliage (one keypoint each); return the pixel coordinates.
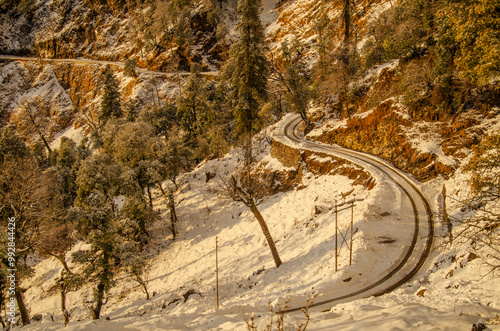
(111, 99)
(247, 73)
(11, 146)
(193, 103)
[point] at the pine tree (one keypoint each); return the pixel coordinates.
(110, 103)
(192, 103)
(66, 160)
(132, 143)
(446, 52)
(347, 53)
(134, 146)
(11, 146)
(95, 218)
(163, 119)
(131, 109)
(130, 68)
(136, 216)
(323, 43)
(347, 9)
(247, 73)
(175, 159)
(95, 223)
(107, 181)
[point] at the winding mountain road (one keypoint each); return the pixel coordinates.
(414, 254)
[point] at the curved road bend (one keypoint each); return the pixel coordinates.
(423, 230)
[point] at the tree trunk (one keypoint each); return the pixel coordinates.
(346, 20)
(37, 129)
(99, 298)
(345, 89)
(266, 232)
(171, 206)
(143, 284)
(446, 218)
(104, 279)
(161, 189)
(173, 215)
(307, 122)
(62, 258)
(63, 302)
(23, 311)
(150, 198)
(248, 148)
(49, 150)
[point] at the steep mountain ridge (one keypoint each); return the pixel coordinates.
(114, 30)
(104, 30)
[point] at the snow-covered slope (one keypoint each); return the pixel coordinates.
(451, 292)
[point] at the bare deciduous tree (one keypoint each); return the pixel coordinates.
(482, 227)
(27, 195)
(243, 188)
(280, 316)
(34, 117)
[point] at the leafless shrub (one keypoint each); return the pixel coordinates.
(277, 319)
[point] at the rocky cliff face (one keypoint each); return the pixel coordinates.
(35, 89)
(423, 149)
(69, 92)
(149, 31)
(111, 30)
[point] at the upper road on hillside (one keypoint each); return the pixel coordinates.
(414, 252)
(83, 61)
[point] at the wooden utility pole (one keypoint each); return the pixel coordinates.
(217, 271)
(336, 234)
(352, 222)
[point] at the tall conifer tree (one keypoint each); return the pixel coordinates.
(193, 103)
(247, 73)
(110, 103)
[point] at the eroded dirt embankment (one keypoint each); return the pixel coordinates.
(319, 164)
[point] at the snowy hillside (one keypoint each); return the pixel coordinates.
(451, 292)
(398, 106)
